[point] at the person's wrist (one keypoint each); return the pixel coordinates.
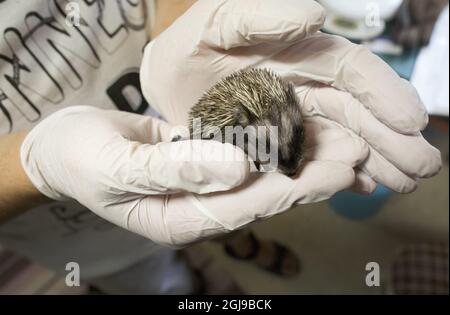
(40, 158)
(28, 186)
(42, 152)
(14, 182)
(167, 11)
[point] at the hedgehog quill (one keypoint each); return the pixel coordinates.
(257, 100)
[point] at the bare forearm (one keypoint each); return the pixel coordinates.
(167, 11)
(17, 193)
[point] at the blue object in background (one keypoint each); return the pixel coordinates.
(359, 207)
(404, 64)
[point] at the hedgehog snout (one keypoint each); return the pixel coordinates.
(290, 155)
(289, 171)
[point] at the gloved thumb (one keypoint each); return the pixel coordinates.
(195, 166)
(235, 23)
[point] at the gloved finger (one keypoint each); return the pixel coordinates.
(182, 219)
(315, 125)
(411, 154)
(234, 23)
(193, 166)
(165, 167)
(383, 172)
(337, 145)
(336, 62)
(173, 221)
(364, 184)
(144, 129)
(263, 196)
(376, 166)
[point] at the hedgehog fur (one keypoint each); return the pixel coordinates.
(253, 97)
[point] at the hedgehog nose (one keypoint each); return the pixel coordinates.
(291, 174)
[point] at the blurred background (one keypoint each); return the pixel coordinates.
(406, 235)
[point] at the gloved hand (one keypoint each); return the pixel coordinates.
(102, 158)
(181, 219)
(335, 79)
(212, 40)
(123, 167)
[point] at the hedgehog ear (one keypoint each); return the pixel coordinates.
(241, 115)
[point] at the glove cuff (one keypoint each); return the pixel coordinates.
(35, 158)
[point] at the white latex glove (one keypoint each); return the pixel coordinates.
(123, 167)
(213, 39)
(335, 79)
(102, 157)
(330, 156)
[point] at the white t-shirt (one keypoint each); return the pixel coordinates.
(53, 56)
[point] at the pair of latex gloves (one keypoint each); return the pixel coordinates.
(362, 123)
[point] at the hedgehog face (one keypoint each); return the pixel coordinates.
(287, 117)
(290, 152)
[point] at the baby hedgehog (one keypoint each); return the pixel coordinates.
(253, 98)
